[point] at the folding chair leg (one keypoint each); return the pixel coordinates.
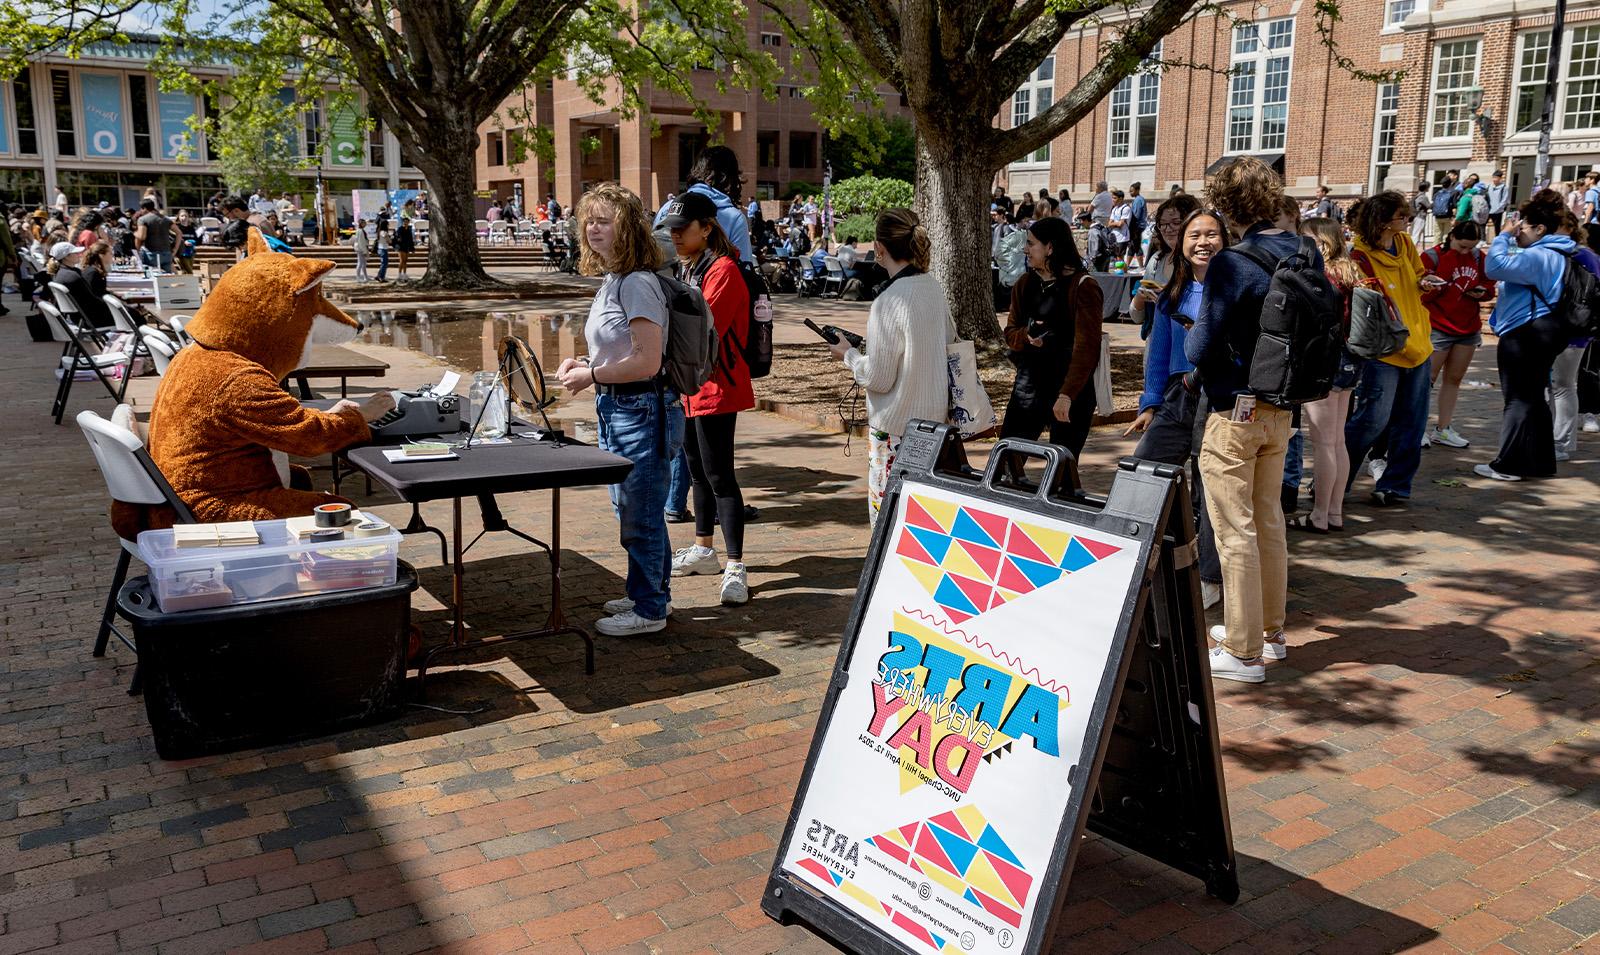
(64, 390)
(117, 580)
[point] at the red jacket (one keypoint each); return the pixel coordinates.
(1449, 309)
(729, 389)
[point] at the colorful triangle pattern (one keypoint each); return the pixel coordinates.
(961, 851)
(972, 561)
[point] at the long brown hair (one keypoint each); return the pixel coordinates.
(1374, 214)
(632, 249)
(1183, 204)
(1336, 260)
(1182, 268)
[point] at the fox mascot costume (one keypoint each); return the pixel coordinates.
(221, 411)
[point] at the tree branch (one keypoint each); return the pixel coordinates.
(1034, 43)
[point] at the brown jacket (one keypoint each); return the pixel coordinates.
(1083, 308)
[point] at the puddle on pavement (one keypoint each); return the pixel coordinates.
(468, 340)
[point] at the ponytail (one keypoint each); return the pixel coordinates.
(902, 235)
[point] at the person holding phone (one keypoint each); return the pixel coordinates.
(1167, 410)
(1164, 245)
(1457, 319)
(1053, 333)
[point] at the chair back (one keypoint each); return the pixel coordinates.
(177, 293)
(123, 318)
(177, 322)
(482, 225)
(210, 222)
(831, 264)
(59, 331)
(162, 351)
(64, 300)
(130, 474)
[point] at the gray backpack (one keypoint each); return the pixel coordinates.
(1479, 209)
(692, 347)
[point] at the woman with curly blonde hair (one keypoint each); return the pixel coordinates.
(640, 416)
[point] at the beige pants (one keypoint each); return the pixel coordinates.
(1242, 463)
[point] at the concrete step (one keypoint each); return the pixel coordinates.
(496, 256)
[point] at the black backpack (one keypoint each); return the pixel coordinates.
(1578, 308)
(1301, 337)
(757, 344)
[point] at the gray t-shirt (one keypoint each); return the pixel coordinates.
(157, 232)
(621, 299)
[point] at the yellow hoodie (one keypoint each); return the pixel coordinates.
(1398, 272)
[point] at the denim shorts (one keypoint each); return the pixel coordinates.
(1443, 340)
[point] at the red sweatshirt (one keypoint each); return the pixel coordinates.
(729, 298)
(1449, 309)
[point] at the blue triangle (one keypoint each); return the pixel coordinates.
(938, 941)
(967, 529)
(958, 849)
(951, 596)
(1077, 557)
(991, 841)
(971, 898)
(935, 543)
(1037, 573)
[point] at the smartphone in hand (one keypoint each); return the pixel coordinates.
(831, 334)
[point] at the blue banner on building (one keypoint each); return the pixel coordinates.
(103, 115)
(175, 111)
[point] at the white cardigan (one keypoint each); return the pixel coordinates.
(904, 371)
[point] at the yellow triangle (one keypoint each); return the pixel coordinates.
(926, 575)
(972, 820)
(942, 511)
(981, 876)
(940, 876)
(957, 561)
(1053, 543)
(1008, 595)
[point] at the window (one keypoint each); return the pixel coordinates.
(772, 39)
(1134, 104)
(139, 112)
(497, 150)
(1455, 72)
(311, 121)
(1033, 98)
(61, 97)
(1383, 141)
(213, 119)
(767, 149)
(802, 151)
(1581, 105)
(27, 126)
(1533, 59)
(1258, 91)
(375, 144)
(1396, 11)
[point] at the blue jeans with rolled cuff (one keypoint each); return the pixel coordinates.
(647, 429)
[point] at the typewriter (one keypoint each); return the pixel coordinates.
(420, 412)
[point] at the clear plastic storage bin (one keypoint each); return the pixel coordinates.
(191, 578)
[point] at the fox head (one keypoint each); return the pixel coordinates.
(269, 308)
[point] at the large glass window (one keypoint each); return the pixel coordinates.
(375, 144)
(27, 125)
(1455, 73)
(1580, 107)
(61, 98)
(311, 122)
(1258, 91)
(1134, 105)
(139, 112)
(1032, 98)
(1383, 142)
(1533, 59)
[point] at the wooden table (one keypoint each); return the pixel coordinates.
(336, 361)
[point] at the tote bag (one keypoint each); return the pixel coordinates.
(970, 410)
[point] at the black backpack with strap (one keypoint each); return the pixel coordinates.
(1578, 308)
(1301, 338)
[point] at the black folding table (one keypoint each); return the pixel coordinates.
(483, 471)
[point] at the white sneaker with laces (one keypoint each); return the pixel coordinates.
(628, 624)
(1450, 438)
(1591, 424)
(1226, 666)
(1427, 440)
(735, 588)
(1275, 647)
(694, 559)
(1210, 594)
(1375, 467)
(1484, 470)
(623, 605)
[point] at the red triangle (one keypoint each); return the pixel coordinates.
(956, 616)
(917, 516)
(986, 557)
(976, 590)
(993, 523)
(1013, 579)
(908, 547)
(909, 832)
(996, 907)
(1099, 550)
(1015, 879)
(1023, 546)
(928, 848)
(949, 821)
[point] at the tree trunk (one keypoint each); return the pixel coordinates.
(953, 203)
(446, 159)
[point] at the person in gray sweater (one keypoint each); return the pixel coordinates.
(902, 367)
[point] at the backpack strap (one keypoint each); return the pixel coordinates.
(1258, 255)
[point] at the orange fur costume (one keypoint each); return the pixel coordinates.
(221, 411)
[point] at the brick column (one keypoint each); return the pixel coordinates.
(741, 138)
(633, 157)
(1495, 71)
(569, 159)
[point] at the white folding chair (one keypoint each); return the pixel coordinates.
(419, 228)
(159, 347)
(177, 322)
(131, 477)
(499, 231)
(79, 353)
(126, 321)
(833, 275)
(525, 231)
(65, 303)
(482, 227)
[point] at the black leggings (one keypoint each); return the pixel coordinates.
(1527, 431)
(708, 442)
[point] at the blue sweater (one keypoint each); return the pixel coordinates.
(729, 216)
(1163, 353)
(1223, 340)
(1520, 271)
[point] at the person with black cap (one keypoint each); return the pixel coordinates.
(707, 260)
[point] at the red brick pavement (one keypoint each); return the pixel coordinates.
(1420, 774)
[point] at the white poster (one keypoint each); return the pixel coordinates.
(938, 794)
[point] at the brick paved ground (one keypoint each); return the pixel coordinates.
(1422, 774)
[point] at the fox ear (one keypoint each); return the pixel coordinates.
(256, 243)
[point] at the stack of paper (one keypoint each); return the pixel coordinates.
(227, 534)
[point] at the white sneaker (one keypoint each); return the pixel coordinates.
(623, 605)
(1275, 647)
(735, 588)
(1450, 438)
(628, 624)
(695, 559)
(1427, 442)
(1591, 424)
(1226, 666)
(1484, 470)
(1210, 594)
(1376, 467)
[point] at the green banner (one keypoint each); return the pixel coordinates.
(345, 138)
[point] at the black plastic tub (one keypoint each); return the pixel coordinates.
(228, 678)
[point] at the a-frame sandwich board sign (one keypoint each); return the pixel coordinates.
(1022, 660)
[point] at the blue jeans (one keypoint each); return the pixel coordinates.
(678, 488)
(631, 425)
(160, 260)
(1394, 401)
(383, 264)
(1294, 467)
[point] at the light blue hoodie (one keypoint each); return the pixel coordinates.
(729, 216)
(1520, 271)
